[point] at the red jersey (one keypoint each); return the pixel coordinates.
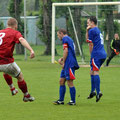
(8, 38)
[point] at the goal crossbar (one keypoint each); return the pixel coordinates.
(85, 3)
(54, 5)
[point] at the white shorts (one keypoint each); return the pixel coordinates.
(12, 69)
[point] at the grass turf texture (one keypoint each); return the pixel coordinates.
(42, 78)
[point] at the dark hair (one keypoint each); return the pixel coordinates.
(93, 19)
(62, 30)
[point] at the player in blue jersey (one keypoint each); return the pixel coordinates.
(98, 56)
(69, 65)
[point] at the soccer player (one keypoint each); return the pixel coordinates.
(115, 48)
(8, 38)
(98, 56)
(69, 65)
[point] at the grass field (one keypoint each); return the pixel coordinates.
(42, 78)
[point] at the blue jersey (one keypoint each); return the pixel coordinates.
(97, 39)
(71, 61)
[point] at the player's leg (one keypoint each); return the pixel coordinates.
(23, 87)
(92, 93)
(96, 63)
(72, 92)
(14, 70)
(62, 89)
(97, 85)
(71, 86)
(110, 58)
(92, 81)
(9, 81)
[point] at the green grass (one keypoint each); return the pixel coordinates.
(40, 49)
(42, 78)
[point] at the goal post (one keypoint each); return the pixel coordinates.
(76, 36)
(54, 5)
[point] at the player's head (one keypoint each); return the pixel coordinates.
(116, 36)
(92, 21)
(61, 33)
(12, 23)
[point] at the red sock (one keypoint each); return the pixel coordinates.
(8, 78)
(23, 86)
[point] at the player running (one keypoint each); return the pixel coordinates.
(69, 65)
(98, 56)
(115, 48)
(8, 38)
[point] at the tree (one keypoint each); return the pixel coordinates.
(76, 12)
(77, 21)
(44, 24)
(110, 27)
(15, 9)
(36, 5)
(109, 23)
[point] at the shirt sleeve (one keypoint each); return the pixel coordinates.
(65, 43)
(18, 35)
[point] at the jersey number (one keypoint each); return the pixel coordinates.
(1, 36)
(102, 40)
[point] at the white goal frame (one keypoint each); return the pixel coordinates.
(54, 5)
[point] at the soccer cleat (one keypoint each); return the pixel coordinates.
(71, 103)
(92, 94)
(14, 91)
(28, 98)
(98, 97)
(58, 102)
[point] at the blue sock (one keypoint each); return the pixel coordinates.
(62, 91)
(92, 83)
(97, 83)
(72, 93)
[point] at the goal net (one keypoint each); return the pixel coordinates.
(73, 17)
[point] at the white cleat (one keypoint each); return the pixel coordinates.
(14, 91)
(28, 98)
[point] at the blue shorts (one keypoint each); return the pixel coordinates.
(96, 64)
(68, 75)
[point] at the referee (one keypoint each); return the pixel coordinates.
(115, 48)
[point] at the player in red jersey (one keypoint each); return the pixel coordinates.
(8, 38)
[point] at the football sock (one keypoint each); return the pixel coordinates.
(62, 91)
(72, 93)
(92, 84)
(97, 83)
(26, 94)
(8, 79)
(23, 86)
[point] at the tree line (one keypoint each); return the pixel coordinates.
(43, 8)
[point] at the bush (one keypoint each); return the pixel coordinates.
(1, 26)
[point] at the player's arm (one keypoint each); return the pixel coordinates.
(111, 45)
(88, 41)
(26, 45)
(90, 47)
(65, 54)
(87, 36)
